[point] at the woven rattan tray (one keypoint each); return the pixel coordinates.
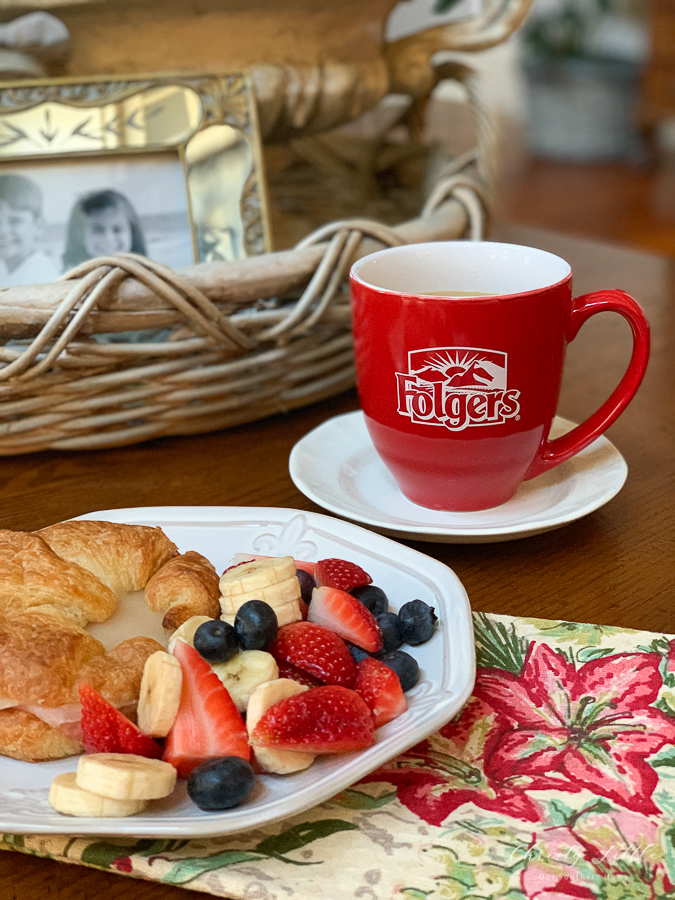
(232, 342)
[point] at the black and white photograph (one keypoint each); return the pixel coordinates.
(55, 215)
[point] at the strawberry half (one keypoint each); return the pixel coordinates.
(328, 719)
(286, 670)
(381, 689)
(346, 616)
(106, 730)
(316, 650)
(338, 573)
(208, 723)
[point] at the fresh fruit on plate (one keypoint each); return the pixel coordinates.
(317, 650)
(256, 575)
(216, 641)
(358, 653)
(343, 614)
(416, 622)
(106, 730)
(221, 783)
(372, 597)
(280, 762)
(125, 776)
(208, 723)
(405, 666)
(66, 797)
(339, 573)
(239, 558)
(288, 670)
(391, 636)
(283, 597)
(256, 625)
(328, 719)
(186, 632)
(381, 689)
(307, 585)
(244, 672)
(160, 692)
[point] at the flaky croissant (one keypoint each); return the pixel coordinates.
(52, 583)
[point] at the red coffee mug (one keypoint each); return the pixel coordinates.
(459, 391)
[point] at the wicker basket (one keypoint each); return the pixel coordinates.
(234, 342)
(243, 340)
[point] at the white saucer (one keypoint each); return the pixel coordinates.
(336, 466)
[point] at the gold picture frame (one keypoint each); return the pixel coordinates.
(160, 135)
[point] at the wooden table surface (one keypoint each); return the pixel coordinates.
(615, 566)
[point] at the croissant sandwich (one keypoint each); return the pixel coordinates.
(55, 581)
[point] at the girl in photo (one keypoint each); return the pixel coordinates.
(102, 223)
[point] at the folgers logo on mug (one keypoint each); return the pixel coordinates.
(456, 387)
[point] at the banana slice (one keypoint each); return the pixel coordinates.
(286, 613)
(125, 776)
(65, 796)
(186, 632)
(280, 762)
(242, 674)
(275, 594)
(252, 576)
(160, 694)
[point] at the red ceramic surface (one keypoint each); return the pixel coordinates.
(459, 393)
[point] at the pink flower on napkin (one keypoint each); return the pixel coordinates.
(123, 864)
(445, 771)
(568, 729)
(597, 856)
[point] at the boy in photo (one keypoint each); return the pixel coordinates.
(22, 261)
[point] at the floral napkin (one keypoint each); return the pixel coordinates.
(556, 782)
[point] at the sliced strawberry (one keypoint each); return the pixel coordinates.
(309, 567)
(380, 688)
(240, 562)
(286, 670)
(208, 723)
(106, 730)
(339, 573)
(346, 616)
(316, 650)
(328, 719)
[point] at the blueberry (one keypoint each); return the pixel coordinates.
(216, 641)
(307, 584)
(221, 783)
(372, 597)
(405, 667)
(256, 625)
(391, 639)
(358, 653)
(416, 622)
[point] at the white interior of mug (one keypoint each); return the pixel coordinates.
(466, 267)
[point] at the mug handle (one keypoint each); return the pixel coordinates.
(552, 453)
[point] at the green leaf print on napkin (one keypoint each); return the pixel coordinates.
(586, 634)
(497, 646)
(299, 836)
(351, 799)
(104, 853)
(275, 846)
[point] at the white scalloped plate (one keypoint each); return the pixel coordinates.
(337, 466)
(447, 662)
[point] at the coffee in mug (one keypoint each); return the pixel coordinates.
(459, 392)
